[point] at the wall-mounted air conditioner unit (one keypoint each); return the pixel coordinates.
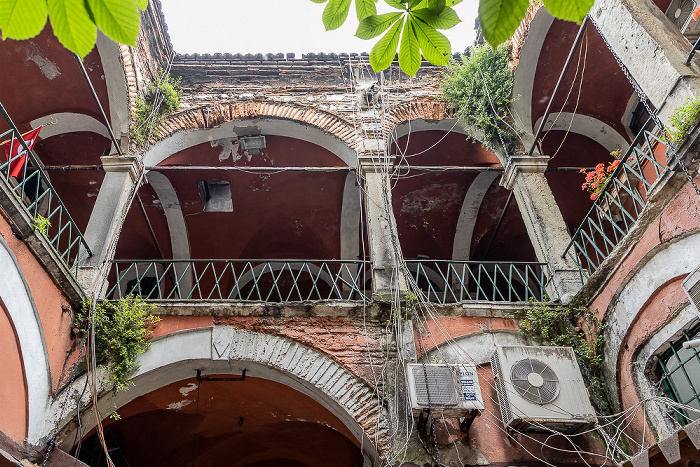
(454, 389)
(679, 12)
(541, 389)
(691, 285)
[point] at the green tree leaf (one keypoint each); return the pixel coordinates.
(570, 10)
(22, 19)
(395, 4)
(384, 50)
(118, 19)
(435, 5)
(452, 2)
(372, 26)
(143, 4)
(409, 53)
(365, 8)
(319, 1)
(72, 25)
(335, 14)
(435, 46)
(500, 18)
(445, 19)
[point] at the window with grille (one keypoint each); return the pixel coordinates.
(679, 375)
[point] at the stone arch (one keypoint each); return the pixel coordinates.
(524, 79)
(475, 348)
(228, 350)
(591, 127)
(461, 247)
(219, 121)
(24, 316)
(662, 264)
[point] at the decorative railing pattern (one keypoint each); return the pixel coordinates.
(34, 191)
(619, 204)
(283, 280)
(456, 281)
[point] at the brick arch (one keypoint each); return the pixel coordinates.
(425, 109)
(228, 350)
(213, 115)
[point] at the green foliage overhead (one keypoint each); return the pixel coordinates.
(161, 98)
(418, 21)
(74, 22)
(465, 89)
(121, 334)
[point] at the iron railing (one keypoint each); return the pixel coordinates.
(34, 191)
(446, 281)
(281, 280)
(619, 204)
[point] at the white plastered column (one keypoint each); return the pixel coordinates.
(120, 174)
(653, 50)
(544, 222)
(381, 228)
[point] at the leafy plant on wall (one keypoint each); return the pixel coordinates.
(74, 22)
(413, 28)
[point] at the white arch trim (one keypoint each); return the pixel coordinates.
(461, 247)
(228, 350)
(69, 122)
(179, 238)
(524, 79)
(237, 128)
(117, 89)
(598, 131)
(659, 266)
(17, 297)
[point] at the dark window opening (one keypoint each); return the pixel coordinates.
(215, 195)
(678, 371)
(146, 287)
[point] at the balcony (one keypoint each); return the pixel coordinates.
(620, 203)
(283, 280)
(459, 281)
(33, 203)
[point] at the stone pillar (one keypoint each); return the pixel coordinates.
(652, 49)
(111, 204)
(544, 222)
(381, 228)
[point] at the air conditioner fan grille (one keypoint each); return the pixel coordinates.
(534, 380)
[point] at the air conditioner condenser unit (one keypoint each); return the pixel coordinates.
(451, 390)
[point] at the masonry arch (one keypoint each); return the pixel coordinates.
(225, 350)
(24, 317)
(227, 121)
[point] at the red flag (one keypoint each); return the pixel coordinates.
(17, 163)
(696, 13)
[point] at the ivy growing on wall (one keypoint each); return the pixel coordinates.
(122, 330)
(161, 98)
(480, 86)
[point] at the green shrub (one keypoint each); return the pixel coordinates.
(161, 98)
(464, 89)
(41, 224)
(683, 119)
(121, 334)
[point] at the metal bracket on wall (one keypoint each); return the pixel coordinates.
(201, 378)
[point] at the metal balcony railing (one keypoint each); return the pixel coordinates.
(445, 281)
(34, 191)
(283, 280)
(620, 203)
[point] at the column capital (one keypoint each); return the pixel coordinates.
(125, 163)
(374, 163)
(525, 164)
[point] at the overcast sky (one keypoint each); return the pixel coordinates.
(274, 26)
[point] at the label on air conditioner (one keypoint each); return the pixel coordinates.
(467, 386)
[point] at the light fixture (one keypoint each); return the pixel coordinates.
(252, 144)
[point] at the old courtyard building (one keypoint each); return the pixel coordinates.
(339, 271)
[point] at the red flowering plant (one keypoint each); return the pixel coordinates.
(596, 178)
